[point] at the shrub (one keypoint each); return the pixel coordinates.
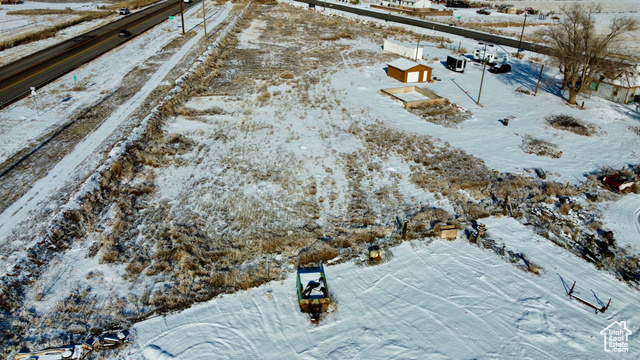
(540, 147)
(569, 123)
(317, 256)
(287, 75)
(263, 97)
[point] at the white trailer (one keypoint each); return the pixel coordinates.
(479, 54)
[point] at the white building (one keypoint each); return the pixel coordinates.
(407, 4)
(622, 89)
(409, 51)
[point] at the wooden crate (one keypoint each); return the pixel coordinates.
(448, 232)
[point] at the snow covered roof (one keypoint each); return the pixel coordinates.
(403, 64)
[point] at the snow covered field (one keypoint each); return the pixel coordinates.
(282, 140)
(435, 299)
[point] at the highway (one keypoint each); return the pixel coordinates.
(472, 34)
(40, 68)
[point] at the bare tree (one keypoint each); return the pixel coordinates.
(583, 53)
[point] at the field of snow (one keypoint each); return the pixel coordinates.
(435, 299)
(260, 153)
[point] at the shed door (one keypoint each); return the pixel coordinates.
(424, 77)
(413, 76)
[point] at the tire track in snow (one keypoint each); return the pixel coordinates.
(198, 329)
(345, 59)
(482, 278)
(398, 291)
(518, 348)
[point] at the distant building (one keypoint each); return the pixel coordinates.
(408, 71)
(621, 89)
(408, 4)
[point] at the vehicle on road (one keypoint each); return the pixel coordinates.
(483, 12)
(500, 69)
(124, 11)
(124, 33)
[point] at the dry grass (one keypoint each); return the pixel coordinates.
(569, 123)
(30, 12)
(445, 114)
(540, 147)
(130, 4)
(336, 36)
(216, 237)
(461, 51)
(287, 75)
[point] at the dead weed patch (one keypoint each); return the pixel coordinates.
(539, 147)
(569, 123)
(442, 113)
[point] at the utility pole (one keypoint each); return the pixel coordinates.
(522, 33)
(539, 77)
(182, 16)
(418, 46)
(484, 66)
(204, 19)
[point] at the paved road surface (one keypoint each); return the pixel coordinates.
(388, 16)
(40, 68)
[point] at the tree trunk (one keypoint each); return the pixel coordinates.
(565, 82)
(573, 93)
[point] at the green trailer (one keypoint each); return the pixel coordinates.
(313, 292)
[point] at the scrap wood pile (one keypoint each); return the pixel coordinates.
(107, 340)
